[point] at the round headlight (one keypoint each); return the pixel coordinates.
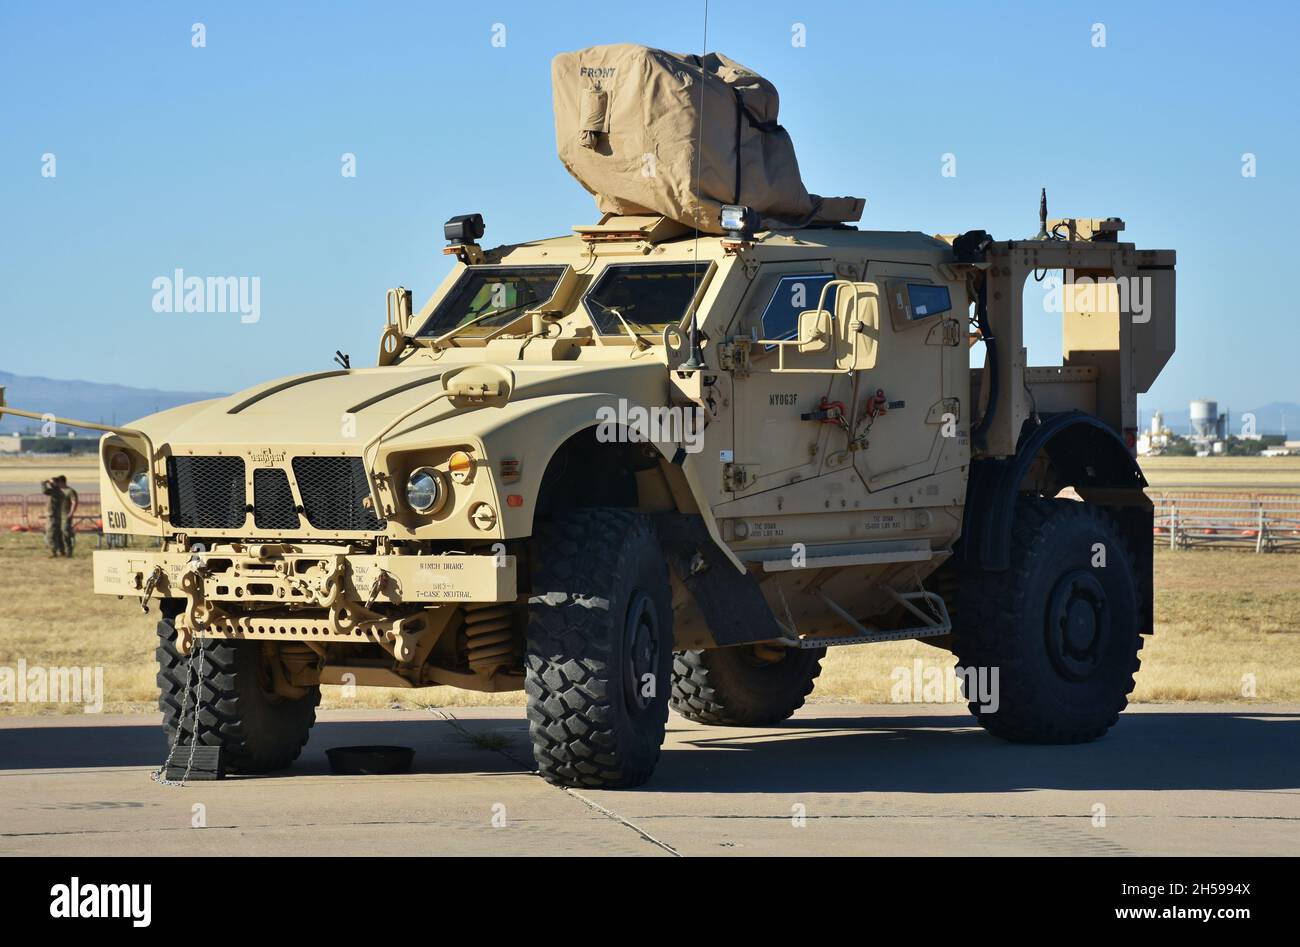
(138, 491)
(424, 490)
(119, 467)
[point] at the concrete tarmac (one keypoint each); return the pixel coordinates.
(837, 779)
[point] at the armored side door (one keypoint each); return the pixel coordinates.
(776, 444)
(918, 424)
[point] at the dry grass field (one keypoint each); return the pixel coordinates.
(1259, 474)
(37, 460)
(1221, 615)
(22, 473)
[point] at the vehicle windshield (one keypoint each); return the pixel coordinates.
(490, 297)
(649, 296)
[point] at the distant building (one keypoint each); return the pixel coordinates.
(1155, 441)
(1207, 424)
(31, 444)
(1208, 428)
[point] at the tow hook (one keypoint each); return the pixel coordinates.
(377, 586)
(150, 584)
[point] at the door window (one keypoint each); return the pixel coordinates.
(793, 295)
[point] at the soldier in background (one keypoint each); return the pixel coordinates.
(71, 502)
(56, 522)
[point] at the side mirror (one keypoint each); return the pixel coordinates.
(814, 330)
(397, 323)
(397, 304)
(488, 384)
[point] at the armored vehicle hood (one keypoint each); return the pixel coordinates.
(346, 408)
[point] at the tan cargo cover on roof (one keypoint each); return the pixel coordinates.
(628, 127)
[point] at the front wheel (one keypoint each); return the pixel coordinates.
(600, 635)
(257, 729)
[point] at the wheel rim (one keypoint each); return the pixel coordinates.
(641, 652)
(1077, 625)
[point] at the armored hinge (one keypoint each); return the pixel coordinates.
(948, 332)
(952, 332)
(736, 477)
(949, 409)
(734, 357)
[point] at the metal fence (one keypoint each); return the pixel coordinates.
(1262, 523)
(28, 511)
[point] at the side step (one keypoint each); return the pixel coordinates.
(843, 555)
(935, 624)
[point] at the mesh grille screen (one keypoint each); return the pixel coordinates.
(273, 500)
(206, 492)
(333, 490)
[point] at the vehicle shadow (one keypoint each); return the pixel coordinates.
(1236, 750)
(1232, 750)
(440, 746)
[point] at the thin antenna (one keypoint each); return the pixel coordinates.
(694, 362)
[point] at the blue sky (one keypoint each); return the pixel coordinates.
(225, 160)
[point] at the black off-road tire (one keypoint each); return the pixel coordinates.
(732, 687)
(1062, 632)
(257, 730)
(599, 620)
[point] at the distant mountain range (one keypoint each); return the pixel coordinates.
(85, 401)
(1276, 417)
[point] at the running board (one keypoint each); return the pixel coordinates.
(936, 624)
(844, 555)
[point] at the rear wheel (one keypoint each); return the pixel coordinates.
(747, 686)
(1059, 629)
(599, 649)
(257, 729)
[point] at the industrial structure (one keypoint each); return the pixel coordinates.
(1207, 427)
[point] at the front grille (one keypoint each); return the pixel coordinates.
(206, 492)
(333, 491)
(273, 500)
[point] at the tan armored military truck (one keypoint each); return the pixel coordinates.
(645, 465)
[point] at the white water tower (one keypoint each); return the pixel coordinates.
(1205, 419)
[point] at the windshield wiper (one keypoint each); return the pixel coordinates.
(437, 343)
(641, 343)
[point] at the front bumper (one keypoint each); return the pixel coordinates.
(269, 575)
